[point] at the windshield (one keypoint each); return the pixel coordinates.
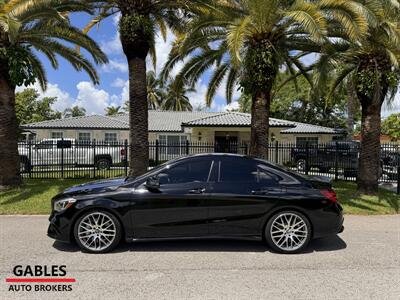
(152, 171)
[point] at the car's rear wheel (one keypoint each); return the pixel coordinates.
(97, 231)
(103, 164)
(301, 165)
(288, 232)
(24, 165)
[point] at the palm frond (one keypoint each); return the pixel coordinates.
(230, 84)
(215, 82)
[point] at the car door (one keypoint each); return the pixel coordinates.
(240, 197)
(177, 208)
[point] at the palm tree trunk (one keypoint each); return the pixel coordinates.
(369, 160)
(9, 158)
(136, 47)
(260, 111)
(138, 117)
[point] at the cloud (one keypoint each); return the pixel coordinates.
(64, 99)
(116, 18)
(115, 65)
(125, 92)
(162, 49)
(93, 100)
(391, 108)
(113, 46)
(198, 98)
(232, 106)
(118, 83)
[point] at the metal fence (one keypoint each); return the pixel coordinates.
(66, 158)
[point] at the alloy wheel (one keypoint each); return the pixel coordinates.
(289, 232)
(97, 231)
(301, 165)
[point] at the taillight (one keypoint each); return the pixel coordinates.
(330, 195)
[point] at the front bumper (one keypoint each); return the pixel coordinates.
(59, 228)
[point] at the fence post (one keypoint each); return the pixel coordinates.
(398, 180)
(157, 149)
(187, 147)
(94, 158)
(62, 157)
(30, 163)
(307, 156)
(126, 157)
(336, 161)
(276, 151)
(245, 149)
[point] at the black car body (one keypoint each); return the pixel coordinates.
(208, 195)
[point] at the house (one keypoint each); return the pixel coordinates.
(173, 127)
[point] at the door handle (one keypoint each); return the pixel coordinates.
(197, 191)
(260, 192)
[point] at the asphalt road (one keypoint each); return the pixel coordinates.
(363, 263)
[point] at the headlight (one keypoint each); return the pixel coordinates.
(63, 204)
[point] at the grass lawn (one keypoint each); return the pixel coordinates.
(34, 198)
(385, 203)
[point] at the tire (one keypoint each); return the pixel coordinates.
(93, 238)
(301, 165)
(103, 164)
(280, 239)
(24, 165)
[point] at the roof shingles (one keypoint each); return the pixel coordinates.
(170, 121)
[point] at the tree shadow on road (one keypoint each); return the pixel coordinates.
(332, 243)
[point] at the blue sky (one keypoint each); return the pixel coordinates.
(75, 88)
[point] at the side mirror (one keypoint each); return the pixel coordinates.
(153, 184)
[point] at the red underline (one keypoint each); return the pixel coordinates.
(40, 280)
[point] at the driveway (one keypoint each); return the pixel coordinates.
(363, 263)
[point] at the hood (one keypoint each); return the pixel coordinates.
(95, 186)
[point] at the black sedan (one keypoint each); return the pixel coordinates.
(200, 196)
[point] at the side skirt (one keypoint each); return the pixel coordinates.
(206, 237)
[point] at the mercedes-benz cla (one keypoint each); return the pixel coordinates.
(200, 196)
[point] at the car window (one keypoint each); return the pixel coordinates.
(194, 171)
(238, 170)
(275, 176)
(64, 144)
(45, 145)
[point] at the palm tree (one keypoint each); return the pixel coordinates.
(113, 110)
(373, 66)
(140, 21)
(176, 98)
(155, 93)
(249, 41)
(26, 25)
(74, 111)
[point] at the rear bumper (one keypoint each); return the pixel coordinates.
(329, 221)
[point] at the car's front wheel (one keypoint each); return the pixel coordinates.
(288, 232)
(97, 231)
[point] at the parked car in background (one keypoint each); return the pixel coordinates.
(200, 196)
(391, 163)
(51, 152)
(325, 157)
